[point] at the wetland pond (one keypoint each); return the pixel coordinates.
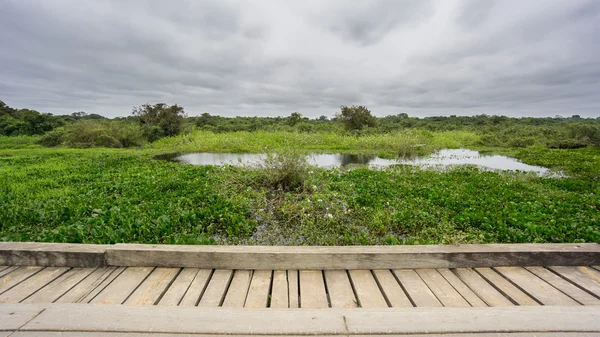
(439, 160)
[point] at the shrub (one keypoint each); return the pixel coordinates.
(285, 171)
(53, 138)
(95, 133)
(160, 120)
(356, 117)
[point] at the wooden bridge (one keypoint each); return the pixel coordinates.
(135, 290)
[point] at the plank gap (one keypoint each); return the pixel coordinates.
(23, 280)
(167, 287)
(385, 297)
(270, 293)
(326, 289)
(212, 272)
(45, 285)
(83, 279)
(518, 286)
(117, 271)
(139, 284)
(497, 288)
(403, 289)
(573, 282)
(356, 299)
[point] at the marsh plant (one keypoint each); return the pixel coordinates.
(285, 170)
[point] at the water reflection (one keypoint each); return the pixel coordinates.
(439, 160)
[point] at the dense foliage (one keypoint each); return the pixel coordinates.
(123, 195)
(160, 120)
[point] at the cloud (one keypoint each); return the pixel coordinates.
(270, 57)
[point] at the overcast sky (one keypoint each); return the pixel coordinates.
(269, 58)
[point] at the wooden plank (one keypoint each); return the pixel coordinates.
(536, 287)
(582, 276)
(16, 276)
(150, 291)
(564, 286)
(385, 321)
(410, 321)
(279, 293)
(391, 288)
(482, 288)
(258, 294)
(352, 257)
(175, 293)
(238, 289)
(293, 288)
(52, 254)
(507, 288)
(34, 283)
(368, 292)
(418, 291)
(444, 292)
(312, 289)
(91, 285)
(340, 290)
(60, 286)
(462, 288)
(123, 286)
(14, 316)
(197, 288)
(215, 292)
(8, 270)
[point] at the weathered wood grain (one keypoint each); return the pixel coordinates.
(293, 288)
(215, 291)
(482, 288)
(91, 286)
(443, 290)
(565, 286)
(340, 290)
(16, 276)
(353, 257)
(52, 254)
(507, 288)
(32, 284)
(123, 286)
(150, 291)
(60, 286)
(367, 290)
(391, 288)
(238, 289)
(536, 287)
(462, 288)
(418, 291)
(197, 288)
(312, 289)
(179, 287)
(233, 321)
(584, 277)
(258, 293)
(279, 292)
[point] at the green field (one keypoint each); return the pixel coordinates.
(102, 195)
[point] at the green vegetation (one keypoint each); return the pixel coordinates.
(94, 180)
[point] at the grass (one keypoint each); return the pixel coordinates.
(122, 195)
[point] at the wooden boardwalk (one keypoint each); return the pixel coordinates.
(209, 291)
(461, 287)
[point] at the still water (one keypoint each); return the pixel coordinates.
(439, 160)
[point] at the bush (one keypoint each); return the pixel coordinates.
(95, 133)
(285, 171)
(53, 138)
(356, 117)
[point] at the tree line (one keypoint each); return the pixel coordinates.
(150, 122)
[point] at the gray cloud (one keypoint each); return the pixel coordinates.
(534, 58)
